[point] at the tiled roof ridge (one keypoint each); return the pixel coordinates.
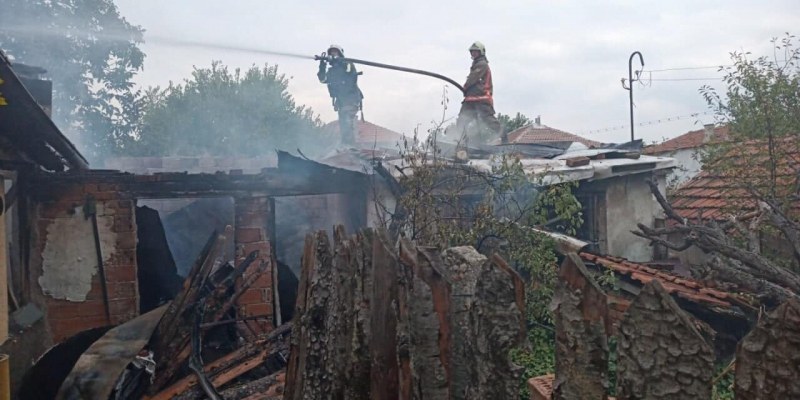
(520, 132)
(689, 140)
(686, 288)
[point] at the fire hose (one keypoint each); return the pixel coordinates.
(393, 67)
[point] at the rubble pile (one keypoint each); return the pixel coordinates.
(374, 319)
(190, 347)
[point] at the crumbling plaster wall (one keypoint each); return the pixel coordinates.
(629, 202)
(64, 276)
(69, 259)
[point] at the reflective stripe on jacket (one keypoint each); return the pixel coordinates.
(478, 87)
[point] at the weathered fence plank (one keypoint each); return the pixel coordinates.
(661, 355)
(768, 358)
(378, 322)
(581, 314)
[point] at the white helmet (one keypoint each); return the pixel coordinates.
(336, 47)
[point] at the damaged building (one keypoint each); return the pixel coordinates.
(84, 250)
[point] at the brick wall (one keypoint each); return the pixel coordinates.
(66, 283)
(64, 259)
(251, 233)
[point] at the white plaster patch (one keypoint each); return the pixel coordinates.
(69, 260)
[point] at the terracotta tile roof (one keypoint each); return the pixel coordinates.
(715, 194)
(541, 387)
(533, 133)
(689, 140)
(369, 134)
(678, 286)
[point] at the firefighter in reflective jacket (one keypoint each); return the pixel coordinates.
(342, 80)
(476, 118)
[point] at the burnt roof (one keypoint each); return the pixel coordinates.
(26, 127)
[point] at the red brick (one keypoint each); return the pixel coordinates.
(249, 235)
(255, 309)
(122, 306)
(122, 273)
(55, 210)
(263, 281)
(90, 188)
(123, 257)
(42, 225)
(123, 223)
(106, 196)
(252, 296)
(121, 290)
(68, 192)
(126, 240)
(247, 248)
(63, 329)
(107, 187)
(248, 328)
(62, 310)
(96, 292)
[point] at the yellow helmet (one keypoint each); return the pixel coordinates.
(478, 46)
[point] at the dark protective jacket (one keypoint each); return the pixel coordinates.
(342, 80)
(478, 87)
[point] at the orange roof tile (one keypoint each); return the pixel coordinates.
(533, 133)
(682, 287)
(689, 140)
(541, 387)
(715, 195)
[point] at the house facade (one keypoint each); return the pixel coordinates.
(686, 149)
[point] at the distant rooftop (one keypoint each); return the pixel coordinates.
(536, 133)
(690, 140)
(369, 134)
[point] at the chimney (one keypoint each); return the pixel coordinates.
(708, 133)
(40, 89)
(538, 121)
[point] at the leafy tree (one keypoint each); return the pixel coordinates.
(220, 112)
(513, 123)
(91, 53)
(443, 203)
(757, 170)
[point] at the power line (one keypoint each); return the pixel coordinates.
(718, 66)
(647, 123)
(683, 79)
(687, 68)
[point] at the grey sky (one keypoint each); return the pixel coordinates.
(562, 60)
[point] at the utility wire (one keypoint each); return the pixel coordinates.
(647, 123)
(683, 79)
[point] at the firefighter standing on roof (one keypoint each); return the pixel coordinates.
(476, 118)
(342, 80)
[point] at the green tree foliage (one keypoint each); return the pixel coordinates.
(761, 105)
(756, 245)
(444, 203)
(220, 112)
(513, 123)
(91, 53)
(762, 95)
